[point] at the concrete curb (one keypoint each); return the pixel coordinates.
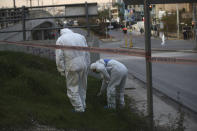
(109, 40)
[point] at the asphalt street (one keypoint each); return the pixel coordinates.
(178, 81)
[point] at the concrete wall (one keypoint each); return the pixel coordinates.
(50, 53)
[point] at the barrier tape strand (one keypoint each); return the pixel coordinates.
(128, 52)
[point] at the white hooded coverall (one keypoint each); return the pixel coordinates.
(114, 76)
(74, 65)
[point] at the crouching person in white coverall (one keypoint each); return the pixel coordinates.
(74, 65)
(114, 76)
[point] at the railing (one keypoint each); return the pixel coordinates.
(23, 15)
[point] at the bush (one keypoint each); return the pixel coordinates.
(32, 93)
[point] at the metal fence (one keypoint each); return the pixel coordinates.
(62, 15)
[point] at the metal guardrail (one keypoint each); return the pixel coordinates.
(79, 16)
(65, 5)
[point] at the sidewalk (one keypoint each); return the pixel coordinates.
(165, 110)
(139, 41)
(109, 40)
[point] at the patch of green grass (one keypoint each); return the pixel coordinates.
(32, 91)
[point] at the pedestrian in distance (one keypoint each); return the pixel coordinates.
(114, 75)
(184, 34)
(163, 41)
(124, 29)
(73, 65)
(141, 31)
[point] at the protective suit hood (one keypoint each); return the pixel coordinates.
(99, 65)
(94, 66)
(65, 30)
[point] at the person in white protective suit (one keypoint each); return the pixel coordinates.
(114, 76)
(74, 65)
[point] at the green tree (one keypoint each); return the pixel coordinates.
(103, 15)
(170, 22)
(120, 10)
(187, 21)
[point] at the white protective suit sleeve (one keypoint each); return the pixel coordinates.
(60, 62)
(87, 54)
(101, 68)
(103, 87)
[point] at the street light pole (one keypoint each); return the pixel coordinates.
(148, 64)
(14, 3)
(110, 5)
(178, 30)
(30, 3)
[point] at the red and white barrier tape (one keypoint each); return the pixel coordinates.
(128, 52)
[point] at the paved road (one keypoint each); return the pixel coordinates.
(138, 41)
(170, 79)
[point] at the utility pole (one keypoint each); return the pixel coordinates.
(110, 5)
(23, 23)
(30, 3)
(178, 30)
(14, 3)
(42, 5)
(148, 64)
(38, 2)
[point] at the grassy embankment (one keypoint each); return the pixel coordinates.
(33, 92)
